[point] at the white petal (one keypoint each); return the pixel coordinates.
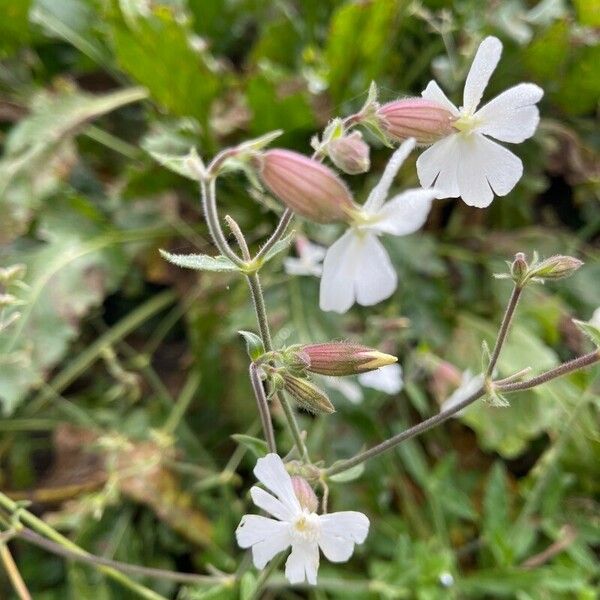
(434, 93)
(375, 278)
(303, 562)
(380, 191)
(337, 280)
(270, 504)
(485, 168)
(349, 389)
(406, 212)
(339, 532)
(438, 165)
(512, 116)
(271, 472)
(485, 62)
(386, 379)
(266, 536)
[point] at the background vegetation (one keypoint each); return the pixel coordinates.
(124, 378)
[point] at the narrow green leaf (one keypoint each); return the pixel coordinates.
(350, 475)
(258, 447)
(589, 330)
(200, 262)
(280, 246)
(254, 344)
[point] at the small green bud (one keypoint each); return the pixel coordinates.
(519, 268)
(555, 267)
(307, 395)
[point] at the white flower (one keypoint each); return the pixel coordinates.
(469, 385)
(309, 259)
(387, 379)
(468, 163)
(595, 320)
(357, 267)
(296, 526)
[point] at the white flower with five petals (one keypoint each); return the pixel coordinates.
(468, 163)
(357, 266)
(296, 525)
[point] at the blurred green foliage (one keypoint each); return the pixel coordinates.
(119, 360)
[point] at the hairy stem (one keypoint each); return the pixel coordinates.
(504, 327)
(45, 529)
(573, 365)
(91, 559)
(279, 232)
(263, 408)
(209, 206)
(239, 237)
(263, 325)
(407, 434)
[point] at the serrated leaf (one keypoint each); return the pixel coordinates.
(200, 262)
(280, 246)
(258, 447)
(254, 344)
(349, 475)
(589, 330)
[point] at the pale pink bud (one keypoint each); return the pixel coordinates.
(422, 119)
(556, 267)
(306, 186)
(305, 494)
(337, 359)
(349, 153)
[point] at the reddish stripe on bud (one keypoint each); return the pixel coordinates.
(337, 359)
(309, 188)
(422, 119)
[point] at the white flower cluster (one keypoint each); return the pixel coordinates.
(465, 163)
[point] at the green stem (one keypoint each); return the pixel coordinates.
(209, 206)
(45, 529)
(263, 408)
(573, 365)
(504, 327)
(279, 232)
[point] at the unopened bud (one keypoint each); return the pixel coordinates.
(556, 267)
(422, 119)
(519, 268)
(350, 153)
(307, 395)
(305, 494)
(309, 188)
(344, 358)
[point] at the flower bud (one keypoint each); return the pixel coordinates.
(306, 186)
(556, 267)
(350, 153)
(422, 119)
(305, 494)
(307, 395)
(519, 268)
(343, 358)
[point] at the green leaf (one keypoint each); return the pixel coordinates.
(350, 474)
(254, 344)
(591, 331)
(180, 164)
(200, 262)
(258, 447)
(178, 77)
(280, 246)
(14, 30)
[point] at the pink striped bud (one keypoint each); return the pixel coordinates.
(305, 494)
(337, 359)
(306, 186)
(349, 153)
(424, 120)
